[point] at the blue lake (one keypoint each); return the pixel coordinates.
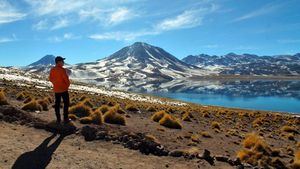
(282, 96)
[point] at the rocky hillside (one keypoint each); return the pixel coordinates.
(248, 64)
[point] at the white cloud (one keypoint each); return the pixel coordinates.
(120, 15)
(93, 13)
(43, 24)
(66, 36)
(121, 36)
(61, 23)
(258, 12)
(210, 46)
(56, 7)
(8, 39)
(52, 25)
(187, 19)
(8, 13)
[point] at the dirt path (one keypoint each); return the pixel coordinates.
(19, 147)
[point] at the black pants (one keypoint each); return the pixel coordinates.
(65, 97)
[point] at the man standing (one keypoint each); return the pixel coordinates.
(60, 80)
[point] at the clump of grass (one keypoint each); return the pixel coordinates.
(255, 150)
(103, 109)
(3, 100)
(195, 138)
(205, 114)
(215, 125)
(151, 109)
(32, 106)
(187, 116)
(80, 110)
(72, 117)
(112, 116)
(296, 163)
(44, 104)
(86, 120)
(169, 121)
(28, 99)
(205, 134)
(87, 102)
(158, 115)
(131, 107)
(97, 117)
(119, 109)
(21, 96)
(289, 129)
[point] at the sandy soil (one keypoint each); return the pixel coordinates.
(24, 145)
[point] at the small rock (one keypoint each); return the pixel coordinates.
(206, 156)
(176, 153)
(222, 158)
(89, 133)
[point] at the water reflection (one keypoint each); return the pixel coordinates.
(249, 88)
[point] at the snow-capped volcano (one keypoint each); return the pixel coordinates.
(44, 61)
(137, 67)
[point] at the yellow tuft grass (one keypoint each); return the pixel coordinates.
(187, 116)
(80, 110)
(289, 129)
(32, 106)
(112, 116)
(256, 151)
(169, 121)
(86, 120)
(28, 99)
(151, 109)
(131, 107)
(103, 109)
(72, 117)
(158, 115)
(21, 96)
(205, 134)
(3, 100)
(87, 102)
(44, 104)
(296, 163)
(215, 125)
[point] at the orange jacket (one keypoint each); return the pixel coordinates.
(59, 78)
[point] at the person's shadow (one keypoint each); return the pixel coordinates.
(40, 157)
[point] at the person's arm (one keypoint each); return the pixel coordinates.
(51, 76)
(66, 78)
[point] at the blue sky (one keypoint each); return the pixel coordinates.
(88, 30)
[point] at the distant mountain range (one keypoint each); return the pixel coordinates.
(143, 67)
(248, 64)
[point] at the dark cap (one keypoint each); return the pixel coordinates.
(59, 58)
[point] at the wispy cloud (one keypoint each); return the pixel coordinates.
(120, 15)
(61, 23)
(210, 46)
(43, 24)
(8, 13)
(286, 41)
(186, 19)
(56, 7)
(8, 39)
(66, 36)
(269, 8)
(121, 36)
(52, 25)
